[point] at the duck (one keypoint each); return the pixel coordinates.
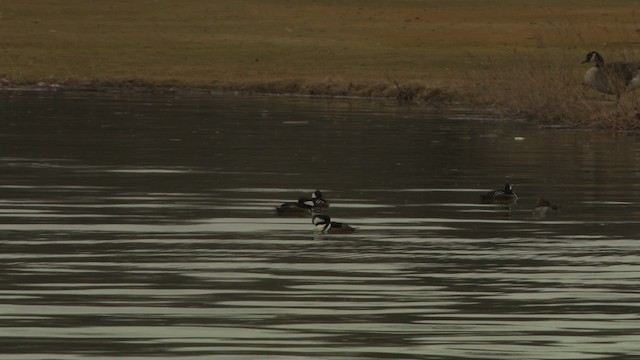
(304, 206)
(323, 224)
(611, 78)
(318, 199)
(301, 208)
(544, 208)
(504, 196)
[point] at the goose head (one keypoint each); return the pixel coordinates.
(594, 56)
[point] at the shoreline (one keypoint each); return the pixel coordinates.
(517, 60)
(600, 115)
(405, 93)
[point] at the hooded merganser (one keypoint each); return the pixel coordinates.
(301, 208)
(324, 224)
(304, 206)
(504, 196)
(319, 200)
(544, 208)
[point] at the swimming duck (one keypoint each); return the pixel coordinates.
(612, 78)
(318, 199)
(324, 224)
(303, 206)
(504, 196)
(544, 208)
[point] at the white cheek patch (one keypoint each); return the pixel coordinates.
(321, 224)
(322, 227)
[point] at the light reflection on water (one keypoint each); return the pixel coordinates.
(119, 241)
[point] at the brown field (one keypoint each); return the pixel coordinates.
(522, 57)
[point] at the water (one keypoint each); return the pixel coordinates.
(137, 226)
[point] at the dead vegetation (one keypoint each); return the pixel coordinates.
(520, 59)
(547, 87)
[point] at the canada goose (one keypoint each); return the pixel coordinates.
(612, 78)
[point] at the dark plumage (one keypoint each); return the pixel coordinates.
(504, 196)
(301, 208)
(324, 224)
(304, 206)
(318, 199)
(544, 208)
(611, 78)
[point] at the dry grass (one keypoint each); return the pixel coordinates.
(547, 87)
(433, 51)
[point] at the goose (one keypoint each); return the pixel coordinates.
(611, 78)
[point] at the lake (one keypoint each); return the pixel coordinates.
(138, 226)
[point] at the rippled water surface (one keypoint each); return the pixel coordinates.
(139, 226)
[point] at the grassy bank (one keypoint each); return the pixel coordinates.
(432, 50)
